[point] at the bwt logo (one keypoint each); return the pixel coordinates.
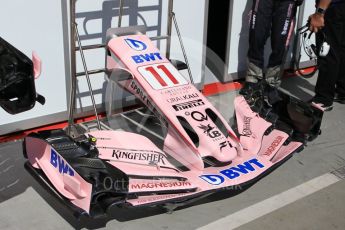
(146, 57)
(233, 172)
(135, 44)
(59, 163)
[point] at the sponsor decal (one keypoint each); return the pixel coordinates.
(286, 27)
(254, 21)
(274, 145)
(161, 76)
(135, 44)
(188, 105)
(144, 200)
(246, 126)
(209, 131)
(176, 91)
(150, 157)
(183, 98)
(234, 172)
(161, 185)
(137, 91)
(287, 21)
(58, 162)
(253, 13)
(224, 144)
(142, 58)
(198, 116)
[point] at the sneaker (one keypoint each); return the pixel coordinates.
(252, 92)
(340, 98)
(271, 95)
(322, 106)
(248, 88)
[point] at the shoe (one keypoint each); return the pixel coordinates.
(252, 92)
(248, 88)
(271, 95)
(339, 98)
(322, 106)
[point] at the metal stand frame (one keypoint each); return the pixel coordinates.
(74, 37)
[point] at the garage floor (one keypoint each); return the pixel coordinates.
(307, 192)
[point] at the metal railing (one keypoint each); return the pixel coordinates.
(75, 37)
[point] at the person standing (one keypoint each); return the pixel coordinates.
(269, 18)
(328, 22)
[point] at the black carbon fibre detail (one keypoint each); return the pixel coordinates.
(189, 130)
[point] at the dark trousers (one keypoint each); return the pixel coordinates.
(331, 77)
(270, 18)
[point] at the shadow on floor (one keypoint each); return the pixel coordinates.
(300, 87)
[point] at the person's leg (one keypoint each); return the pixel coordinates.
(282, 28)
(329, 66)
(340, 84)
(259, 31)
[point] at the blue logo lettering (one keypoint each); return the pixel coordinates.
(149, 57)
(257, 163)
(53, 158)
(135, 44)
(137, 59)
(233, 172)
(230, 173)
(244, 169)
(58, 162)
(146, 57)
(213, 179)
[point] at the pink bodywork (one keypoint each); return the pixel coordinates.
(166, 98)
(318, 106)
(69, 184)
(242, 169)
(37, 65)
(257, 152)
(245, 158)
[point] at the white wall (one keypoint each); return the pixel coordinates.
(309, 9)
(36, 25)
(41, 25)
(239, 36)
(191, 16)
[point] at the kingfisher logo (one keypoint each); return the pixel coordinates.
(246, 126)
(233, 172)
(135, 44)
(59, 163)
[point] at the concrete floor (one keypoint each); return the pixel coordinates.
(301, 194)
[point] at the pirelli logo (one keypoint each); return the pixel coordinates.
(188, 105)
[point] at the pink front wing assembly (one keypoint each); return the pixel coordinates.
(189, 116)
(201, 153)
